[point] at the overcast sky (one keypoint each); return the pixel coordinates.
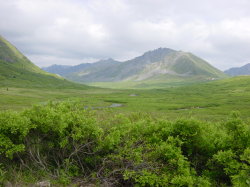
(77, 31)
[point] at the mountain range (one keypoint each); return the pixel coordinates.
(243, 70)
(159, 64)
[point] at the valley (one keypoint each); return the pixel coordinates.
(205, 101)
(124, 93)
(149, 121)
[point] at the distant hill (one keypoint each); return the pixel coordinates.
(17, 70)
(243, 70)
(63, 70)
(160, 64)
(75, 71)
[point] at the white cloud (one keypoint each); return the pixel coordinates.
(64, 31)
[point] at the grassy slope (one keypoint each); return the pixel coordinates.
(18, 71)
(13, 76)
(10, 55)
(207, 101)
(197, 66)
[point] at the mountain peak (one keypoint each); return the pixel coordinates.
(153, 56)
(110, 59)
(107, 60)
(159, 51)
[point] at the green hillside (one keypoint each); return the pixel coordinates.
(11, 55)
(189, 63)
(16, 70)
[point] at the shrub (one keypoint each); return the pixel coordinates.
(68, 143)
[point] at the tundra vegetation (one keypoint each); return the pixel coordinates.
(67, 144)
(170, 133)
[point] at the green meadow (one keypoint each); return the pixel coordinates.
(207, 101)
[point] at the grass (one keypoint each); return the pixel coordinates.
(162, 82)
(207, 101)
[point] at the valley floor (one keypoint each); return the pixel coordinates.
(206, 101)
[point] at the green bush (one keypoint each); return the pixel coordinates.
(69, 144)
(13, 129)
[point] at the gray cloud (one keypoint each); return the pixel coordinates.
(76, 31)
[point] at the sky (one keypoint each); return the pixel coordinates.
(70, 32)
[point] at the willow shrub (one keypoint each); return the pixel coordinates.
(68, 142)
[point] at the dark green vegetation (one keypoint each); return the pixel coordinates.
(244, 70)
(153, 67)
(66, 144)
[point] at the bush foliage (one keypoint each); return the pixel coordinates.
(67, 143)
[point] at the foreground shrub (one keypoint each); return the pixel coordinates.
(67, 143)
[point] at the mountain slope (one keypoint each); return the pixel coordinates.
(63, 70)
(160, 64)
(244, 70)
(17, 70)
(9, 54)
(177, 64)
(100, 70)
